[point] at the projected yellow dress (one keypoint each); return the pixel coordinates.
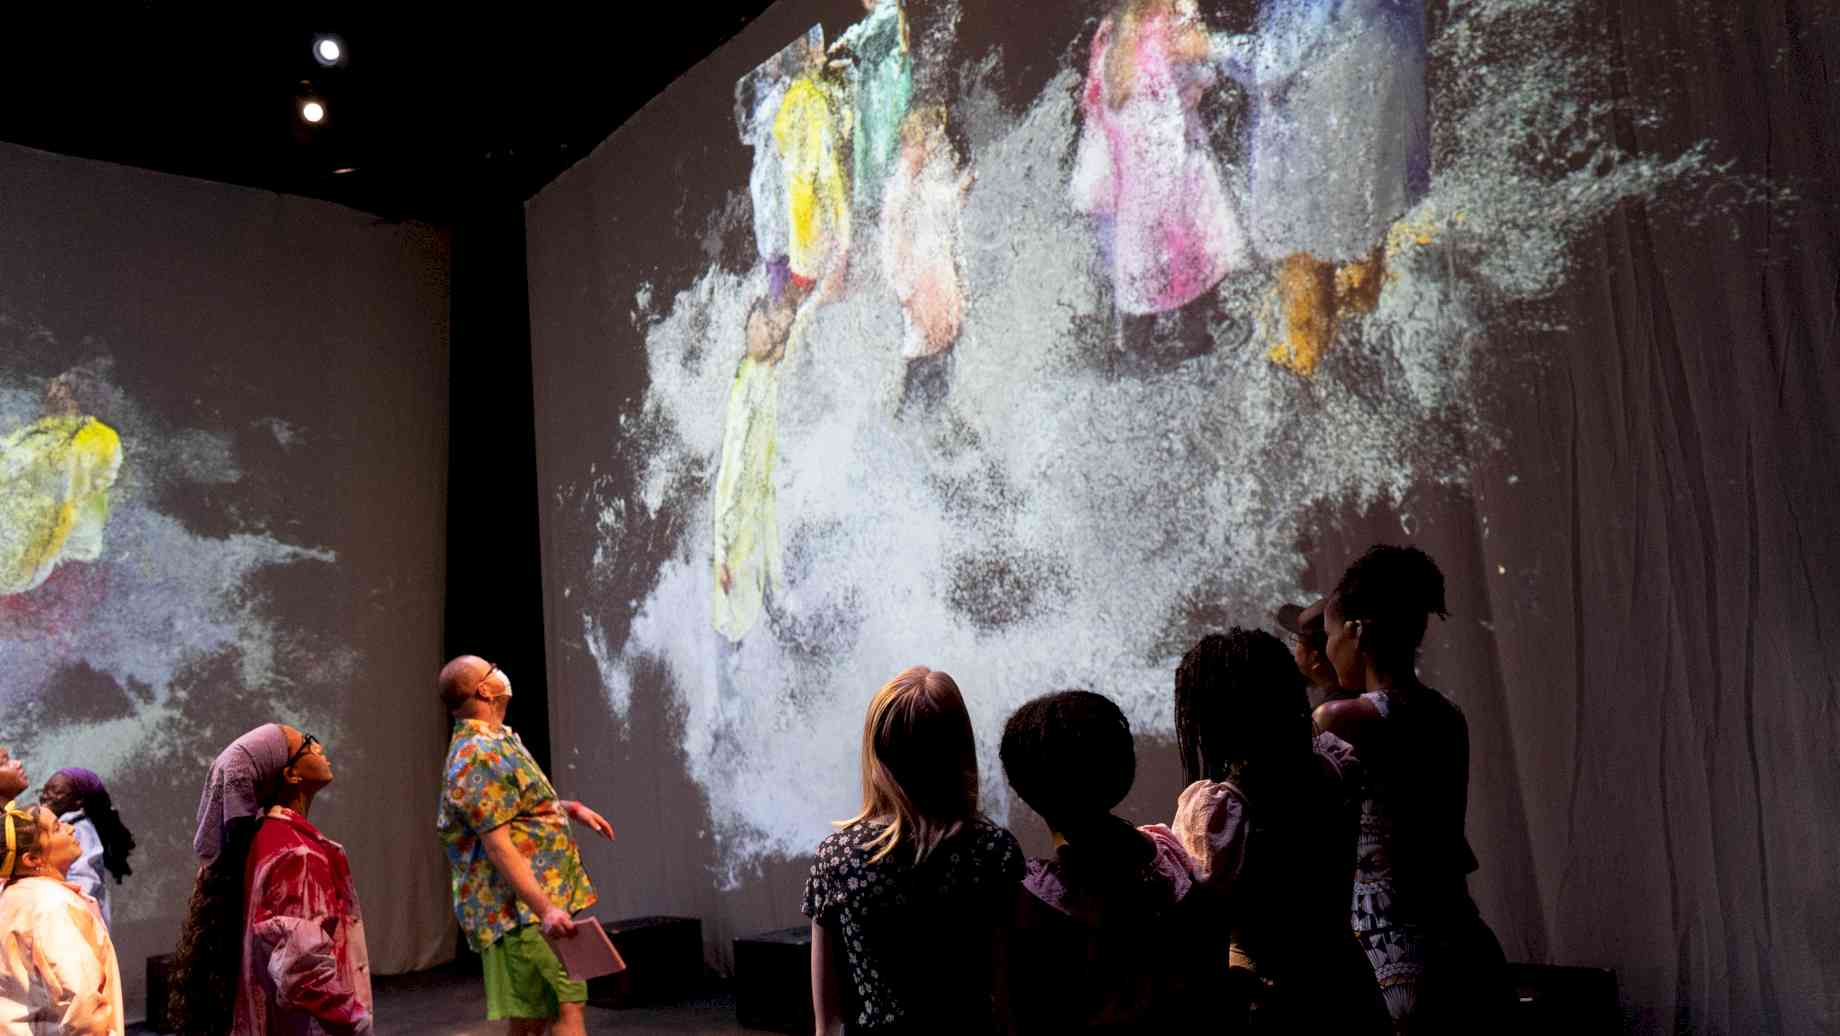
(55, 476)
(807, 130)
(747, 553)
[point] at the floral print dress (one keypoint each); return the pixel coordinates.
(914, 937)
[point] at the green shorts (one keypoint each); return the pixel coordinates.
(524, 979)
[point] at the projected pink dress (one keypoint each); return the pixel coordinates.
(306, 970)
(1145, 171)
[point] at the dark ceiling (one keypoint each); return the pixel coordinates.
(436, 111)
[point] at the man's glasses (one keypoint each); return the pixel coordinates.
(488, 676)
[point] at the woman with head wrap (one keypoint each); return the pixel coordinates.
(300, 965)
(79, 798)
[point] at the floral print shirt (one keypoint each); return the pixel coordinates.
(491, 780)
(914, 938)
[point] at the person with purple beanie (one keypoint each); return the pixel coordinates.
(79, 798)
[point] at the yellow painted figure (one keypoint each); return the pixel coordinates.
(55, 476)
(746, 511)
(808, 129)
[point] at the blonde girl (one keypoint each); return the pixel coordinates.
(909, 900)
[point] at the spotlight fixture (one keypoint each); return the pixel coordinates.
(329, 51)
(313, 112)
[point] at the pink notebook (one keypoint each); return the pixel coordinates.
(588, 953)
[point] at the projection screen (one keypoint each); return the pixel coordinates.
(1033, 341)
(223, 448)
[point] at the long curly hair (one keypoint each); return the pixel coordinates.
(208, 962)
(206, 966)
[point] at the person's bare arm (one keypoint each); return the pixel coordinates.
(581, 814)
(826, 998)
(517, 873)
(1347, 718)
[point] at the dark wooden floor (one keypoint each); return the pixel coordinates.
(447, 1002)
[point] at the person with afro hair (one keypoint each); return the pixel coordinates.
(1104, 939)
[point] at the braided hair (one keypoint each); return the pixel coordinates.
(1239, 697)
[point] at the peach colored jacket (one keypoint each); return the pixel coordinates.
(57, 966)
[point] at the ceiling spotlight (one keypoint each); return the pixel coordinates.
(313, 111)
(328, 50)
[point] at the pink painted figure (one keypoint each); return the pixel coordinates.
(1145, 171)
(922, 233)
(306, 970)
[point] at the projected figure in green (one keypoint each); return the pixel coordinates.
(55, 476)
(880, 60)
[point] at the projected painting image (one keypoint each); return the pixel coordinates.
(134, 616)
(1038, 392)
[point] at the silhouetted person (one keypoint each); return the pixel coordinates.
(909, 900)
(1304, 623)
(1437, 963)
(1269, 822)
(1104, 940)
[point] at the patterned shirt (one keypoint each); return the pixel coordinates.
(914, 938)
(491, 780)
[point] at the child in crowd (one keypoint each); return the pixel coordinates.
(58, 972)
(1104, 940)
(80, 799)
(12, 777)
(1437, 962)
(909, 900)
(1269, 823)
(1304, 624)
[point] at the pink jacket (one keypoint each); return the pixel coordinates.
(305, 967)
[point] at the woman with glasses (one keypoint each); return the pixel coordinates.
(300, 965)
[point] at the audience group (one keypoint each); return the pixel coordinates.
(1310, 877)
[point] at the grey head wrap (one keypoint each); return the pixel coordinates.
(234, 788)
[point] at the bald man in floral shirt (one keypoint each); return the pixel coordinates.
(517, 873)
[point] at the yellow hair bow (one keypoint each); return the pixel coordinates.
(13, 813)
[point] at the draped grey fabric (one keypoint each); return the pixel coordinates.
(1641, 551)
(276, 369)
